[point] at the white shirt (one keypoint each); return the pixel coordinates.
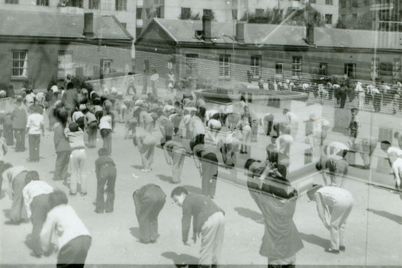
(9, 176)
(397, 168)
(197, 126)
(61, 226)
(32, 190)
(335, 147)
(35, 123)
(105, 122)
(394, 151)
(77, 115)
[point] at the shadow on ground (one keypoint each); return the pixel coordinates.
(251, 214)
(315, 240)
(181, 260)
(165, 178)
(387, 215)
(193, 189)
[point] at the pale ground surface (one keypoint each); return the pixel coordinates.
(373, 234)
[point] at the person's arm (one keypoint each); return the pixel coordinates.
(186, 222)
(321, 210)
(29, 123)
(42, 127)
(46, 234)
(27, 201)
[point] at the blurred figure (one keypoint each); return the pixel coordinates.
(208, 167)
(175, 154)
(19, 122)
(35, 127)
(105, 170)
(62, 146)
(149, 201)
(334, 205)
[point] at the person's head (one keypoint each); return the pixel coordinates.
(249, 163)
(73, 127)
(285, 111)
(32, 175)
(312, 191)
(354, 111)
(61, 115)
(385, 145)
(102, 152)
(18, 101)
(70, 85)
(57, 198)
(178, 195)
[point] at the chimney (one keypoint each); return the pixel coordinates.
(310, 33)
(240, 31)
(207, 27)
(89, 25)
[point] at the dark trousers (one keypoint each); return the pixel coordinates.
(107, 139)
(34, 146)
(74, 253)
(107, 177)
(39, 208)
(199, 139)
(61, 166)
(8, 135)
(17, 211)
(147, 211)
(343, 101)
(209, 174)
(19, 140)
(92, 131)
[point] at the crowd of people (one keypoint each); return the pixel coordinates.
(215, 139)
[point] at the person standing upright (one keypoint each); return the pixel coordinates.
(208, 222)
(105, 170)
(35, 128)
(19, 121)
(106, 125)
(62, 146)
(334, 205)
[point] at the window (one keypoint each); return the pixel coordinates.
(255, 65)
(366, 2)
(74, 3)
(138, 31)
(11, 2)
(65, 64)
(386, 68)
(355, 4)
(185, 13)
(139, 13)
(42, 3)
(192, 64)
(124, 25)
(224, 66)
(20, 63)
(158, 12)
(350, 70)
(354, 15)
(323, 69)
(329, 2)
(279, 68)
(259, 12)
(94, 4)
(343, 3)
(297, 65)
(328, 18)
(121, 5)
(106, 66)
(234, 14)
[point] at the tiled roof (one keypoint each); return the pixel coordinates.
(269, 34)
(60, 25)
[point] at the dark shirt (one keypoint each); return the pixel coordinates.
(61, 143)
(101, 162)
(19, 118)
(149, 192)
(70, 98)
(200, 207)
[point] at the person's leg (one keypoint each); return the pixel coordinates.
(74, 161)
(17, 211)
(100, 193)
(17, 140)
(74, 253)
(337, 216)
(110, 190)
(65, 161)
(82, 177)
(31, 147)
(342, 226)
(219, 236)
(208, 246)
(39, 209)
(211, 174)
(154, 234)
(146, 207)
(37, 147)
(178, 161)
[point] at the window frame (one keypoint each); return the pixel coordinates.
(64, 69)
(103, 63)
(191, 62)
(120, 5)
(22, 68)
(329, 2)
(138, 12)
(329, 16)
(92, 6)
(225, 66)
(297, 66)
(188, 13)
(42, 3)
(256, 65)
(320, 69)
(277, 64)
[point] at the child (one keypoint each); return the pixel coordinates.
(77, 159)
(106, 125)
(35, 127)
(92, 127)
(105, 170)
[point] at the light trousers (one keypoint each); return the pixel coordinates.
(78, 161)
(339, 215)
(212, 234)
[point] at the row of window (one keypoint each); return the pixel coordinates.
(354, 3)
(120, 5)
(327, 2)
(384, 68)
(65, 64)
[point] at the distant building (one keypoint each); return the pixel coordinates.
(216, 51)
(123, 10)
(36, 47)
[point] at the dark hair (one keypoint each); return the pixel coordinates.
(386, 143)
(73, 127)
(249, 162)
(179, 191)
(32, 175)
(57, 198)
(102, 152)
(61, 114)
(70, 86)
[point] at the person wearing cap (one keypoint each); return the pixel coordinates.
(19, 118)
(35, 128)
(395, 160)
(105, 170)
(334, 205)
(148, 201)
(78, 158)
(175, 154)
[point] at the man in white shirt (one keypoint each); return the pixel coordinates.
(334, 205)
(36, 199)
(35, 128)
(65, 229)
(397, 170)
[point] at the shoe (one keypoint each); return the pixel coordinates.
(98, 211)
(331, 250)
(109, 211)
(342, 248)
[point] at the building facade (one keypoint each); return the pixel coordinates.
(123, 10)
(264, 51)
(38, 47)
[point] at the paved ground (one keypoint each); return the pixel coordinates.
(373, 231)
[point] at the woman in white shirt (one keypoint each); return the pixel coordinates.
(65, 230)
(106, 126)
